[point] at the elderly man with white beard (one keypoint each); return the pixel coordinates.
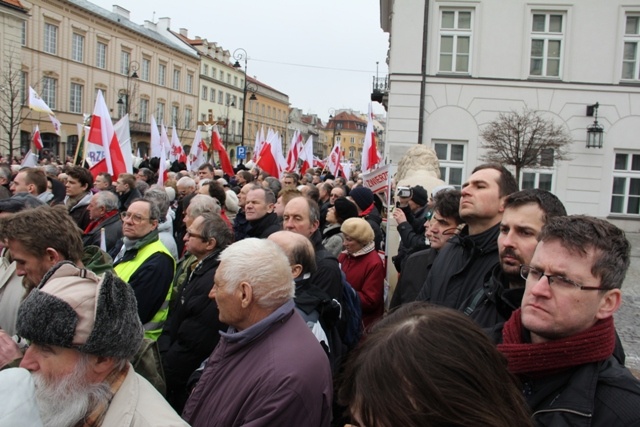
(83, 329)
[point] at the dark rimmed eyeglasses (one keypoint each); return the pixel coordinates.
(530, 273)
(197, 236)
(134, 218)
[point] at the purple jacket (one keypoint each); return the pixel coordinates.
(274, 373)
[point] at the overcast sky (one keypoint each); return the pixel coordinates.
(321, 53)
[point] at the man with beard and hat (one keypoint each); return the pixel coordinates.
(82, 330)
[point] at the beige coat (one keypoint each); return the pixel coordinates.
(138, 404)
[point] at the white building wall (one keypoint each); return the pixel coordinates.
(457, 107)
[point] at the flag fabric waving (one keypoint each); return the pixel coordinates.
(56, 124)
(294, 152)
(306, 155)
(216, 144)
(37, 139)
(101, 132)
(37, 104)
(30, 160)
(333, 162)
(198, 154)
(267, 161)
(177, 151)
(124, 138)
(156, 144)
(370, 158)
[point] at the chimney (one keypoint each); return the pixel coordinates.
(164, 24)
(184, 32)
(121, 11)
(150, 25)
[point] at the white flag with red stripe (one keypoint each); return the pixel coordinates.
(294, 152)
(333, 162)
(101, 132)
(177, 151)
(198, 151)
(306, 155)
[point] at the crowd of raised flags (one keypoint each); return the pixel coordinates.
(107, 147)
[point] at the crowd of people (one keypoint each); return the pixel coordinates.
(217, 300)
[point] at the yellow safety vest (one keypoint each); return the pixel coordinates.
(125, 270)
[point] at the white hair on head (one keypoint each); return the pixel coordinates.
(263, 265)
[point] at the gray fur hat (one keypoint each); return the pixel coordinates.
(74, 308)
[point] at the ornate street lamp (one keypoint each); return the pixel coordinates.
(241, 55)
(124, 95)
(595, 131)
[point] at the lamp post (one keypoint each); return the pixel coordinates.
(132, 73)
(336, 132)
(595, 131)
(226, 125)
(241, 55)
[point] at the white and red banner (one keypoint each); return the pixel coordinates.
(177, 151)
(294, 152)
(377, 180)
(198, 155)
(101, 132)
(156, 143)
(370, 157)
(333, 162)
(306, 155)
(218, 146)
(37, 139)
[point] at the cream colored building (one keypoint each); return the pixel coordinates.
(73, 48)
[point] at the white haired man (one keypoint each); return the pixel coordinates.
(268, 369)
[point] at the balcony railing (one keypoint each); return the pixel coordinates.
(380, 90)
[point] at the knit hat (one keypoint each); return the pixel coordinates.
(74, 308)
(358, 229)
(419, 195)
(362, 196)
(345, 209)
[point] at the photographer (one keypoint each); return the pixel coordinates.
(412, 213)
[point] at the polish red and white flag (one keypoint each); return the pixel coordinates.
(101, 132)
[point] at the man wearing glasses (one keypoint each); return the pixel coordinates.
(560, 343)
(146, 264)
(443, 225)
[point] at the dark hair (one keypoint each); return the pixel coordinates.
(207, 166)
(19, 202)
(447, 203)
(293, 176)
(83, 176)
(506, 182)
(214, 227)
(128, 179)
(216, 190)
(44, 227)
(430, 366)
(269, 197)
(550, 205)
(246, 175)
(579, 233)
(107, 177)
(313, 193)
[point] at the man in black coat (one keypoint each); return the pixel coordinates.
(259, 210)
(560, 343)
(191, 331)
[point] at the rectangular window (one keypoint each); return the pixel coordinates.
(537, 179)
(145, 72)
(144, 110)
(221, 78)
(220, 97)
(23, 87)
(625, 194)
(122, 107)
(235, 80)
(175, 111)
(630, 62)
(75, 98)
(77, 47)
(50, 39)
(125, 61)
(176, 79)
(547, 32)
(188, 114)
(452, 157)
(23, 33)
(228, 78)
(101, 56)
(205, 90)
(49, 89)
(205, 69)
(162, 74)
(190, 83)
(455, 41)
(160, 112)
(213, 72)
(212, 95)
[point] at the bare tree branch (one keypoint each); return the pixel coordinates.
(520, 139)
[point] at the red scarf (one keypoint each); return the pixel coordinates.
(593, 345)
(94, 224)
(367, 211)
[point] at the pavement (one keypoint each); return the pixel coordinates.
(627, 319)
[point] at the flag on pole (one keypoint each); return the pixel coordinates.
(294, 152)
(177, 151)
(37, 139)
(155, 145)
(267, 161)
(56, 124)
(37, 104)
(124, 137)
(198, 151)
(162, 167)
(216, 144)
(370, 158)
(306, 155)
(101, 132)
(257, 148)
(333, 162)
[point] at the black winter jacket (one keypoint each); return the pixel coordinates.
(414, 271)
(112, 232)
(265, 226)
(462, 267)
